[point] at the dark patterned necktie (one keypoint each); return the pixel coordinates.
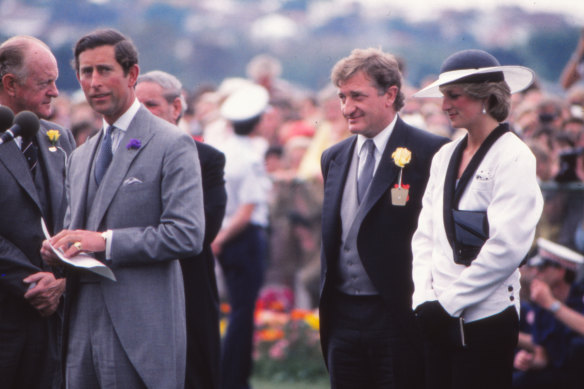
(367, 173)
(30, 151)
(105, 155)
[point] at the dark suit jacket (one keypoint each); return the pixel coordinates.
(201, 296)
(21, 235)
(384, 238)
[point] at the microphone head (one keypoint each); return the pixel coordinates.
(6, 118)
(28, 122)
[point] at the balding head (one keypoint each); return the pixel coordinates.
(28, 73)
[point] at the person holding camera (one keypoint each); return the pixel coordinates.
(574, 69)
(551, 356)
(477, 224)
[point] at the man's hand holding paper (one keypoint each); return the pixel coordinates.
(74, 247)
(71, 243)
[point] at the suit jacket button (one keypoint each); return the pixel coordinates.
(511, 298)
(510, 288)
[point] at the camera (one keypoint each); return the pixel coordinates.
(568, 160)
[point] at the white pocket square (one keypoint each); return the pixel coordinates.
(132, 180)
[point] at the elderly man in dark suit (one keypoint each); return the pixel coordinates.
(135, 201)
(373, 187)
(161, 93)
(29, 291)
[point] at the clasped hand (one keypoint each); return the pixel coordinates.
(45, 292)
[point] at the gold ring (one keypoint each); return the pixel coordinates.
(77, 245)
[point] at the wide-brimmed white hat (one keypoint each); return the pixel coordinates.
(477, 66)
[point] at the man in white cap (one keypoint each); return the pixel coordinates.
(554, 357)
(240, 245)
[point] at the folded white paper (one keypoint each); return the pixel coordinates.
(82, 260)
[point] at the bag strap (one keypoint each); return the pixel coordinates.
(453, 192)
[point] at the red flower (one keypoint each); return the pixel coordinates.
(225, 308)
(405, 186)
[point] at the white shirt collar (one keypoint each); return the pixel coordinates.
(380, 140)
(124, 121)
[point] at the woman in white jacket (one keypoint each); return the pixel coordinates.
(477, 224)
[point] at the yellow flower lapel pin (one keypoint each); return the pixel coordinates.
(53, 138)
(399, 193)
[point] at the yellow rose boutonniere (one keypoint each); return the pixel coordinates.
(53, 138)
(399, 194)
(401, 156)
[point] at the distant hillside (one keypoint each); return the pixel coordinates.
(207, 41)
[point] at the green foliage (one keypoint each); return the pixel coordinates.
(261, 383)
(548, 51)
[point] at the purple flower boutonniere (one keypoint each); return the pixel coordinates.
(134, 144)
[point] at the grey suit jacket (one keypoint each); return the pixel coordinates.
(20, 229)
(151, 197)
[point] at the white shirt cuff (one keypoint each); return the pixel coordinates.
(107, 235)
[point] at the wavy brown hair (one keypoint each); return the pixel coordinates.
(382, 68)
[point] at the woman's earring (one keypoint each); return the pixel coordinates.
(484, 110)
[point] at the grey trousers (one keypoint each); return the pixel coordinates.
(96, 358)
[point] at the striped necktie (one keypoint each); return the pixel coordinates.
(30, 151)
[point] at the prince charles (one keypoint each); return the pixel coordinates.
(135, 202)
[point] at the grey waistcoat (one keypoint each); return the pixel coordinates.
(353, 277)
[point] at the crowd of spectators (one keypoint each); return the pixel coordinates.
(299, 124)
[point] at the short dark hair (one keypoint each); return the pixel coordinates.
(245, 127)
(382, 68)
(125, 52)
(276, 151)
(573, 119)
(570, 276)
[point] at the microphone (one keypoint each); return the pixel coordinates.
(26, 124)
(6, 117)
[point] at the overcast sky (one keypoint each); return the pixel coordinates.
(424, 8)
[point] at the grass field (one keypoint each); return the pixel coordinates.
(263, 384)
